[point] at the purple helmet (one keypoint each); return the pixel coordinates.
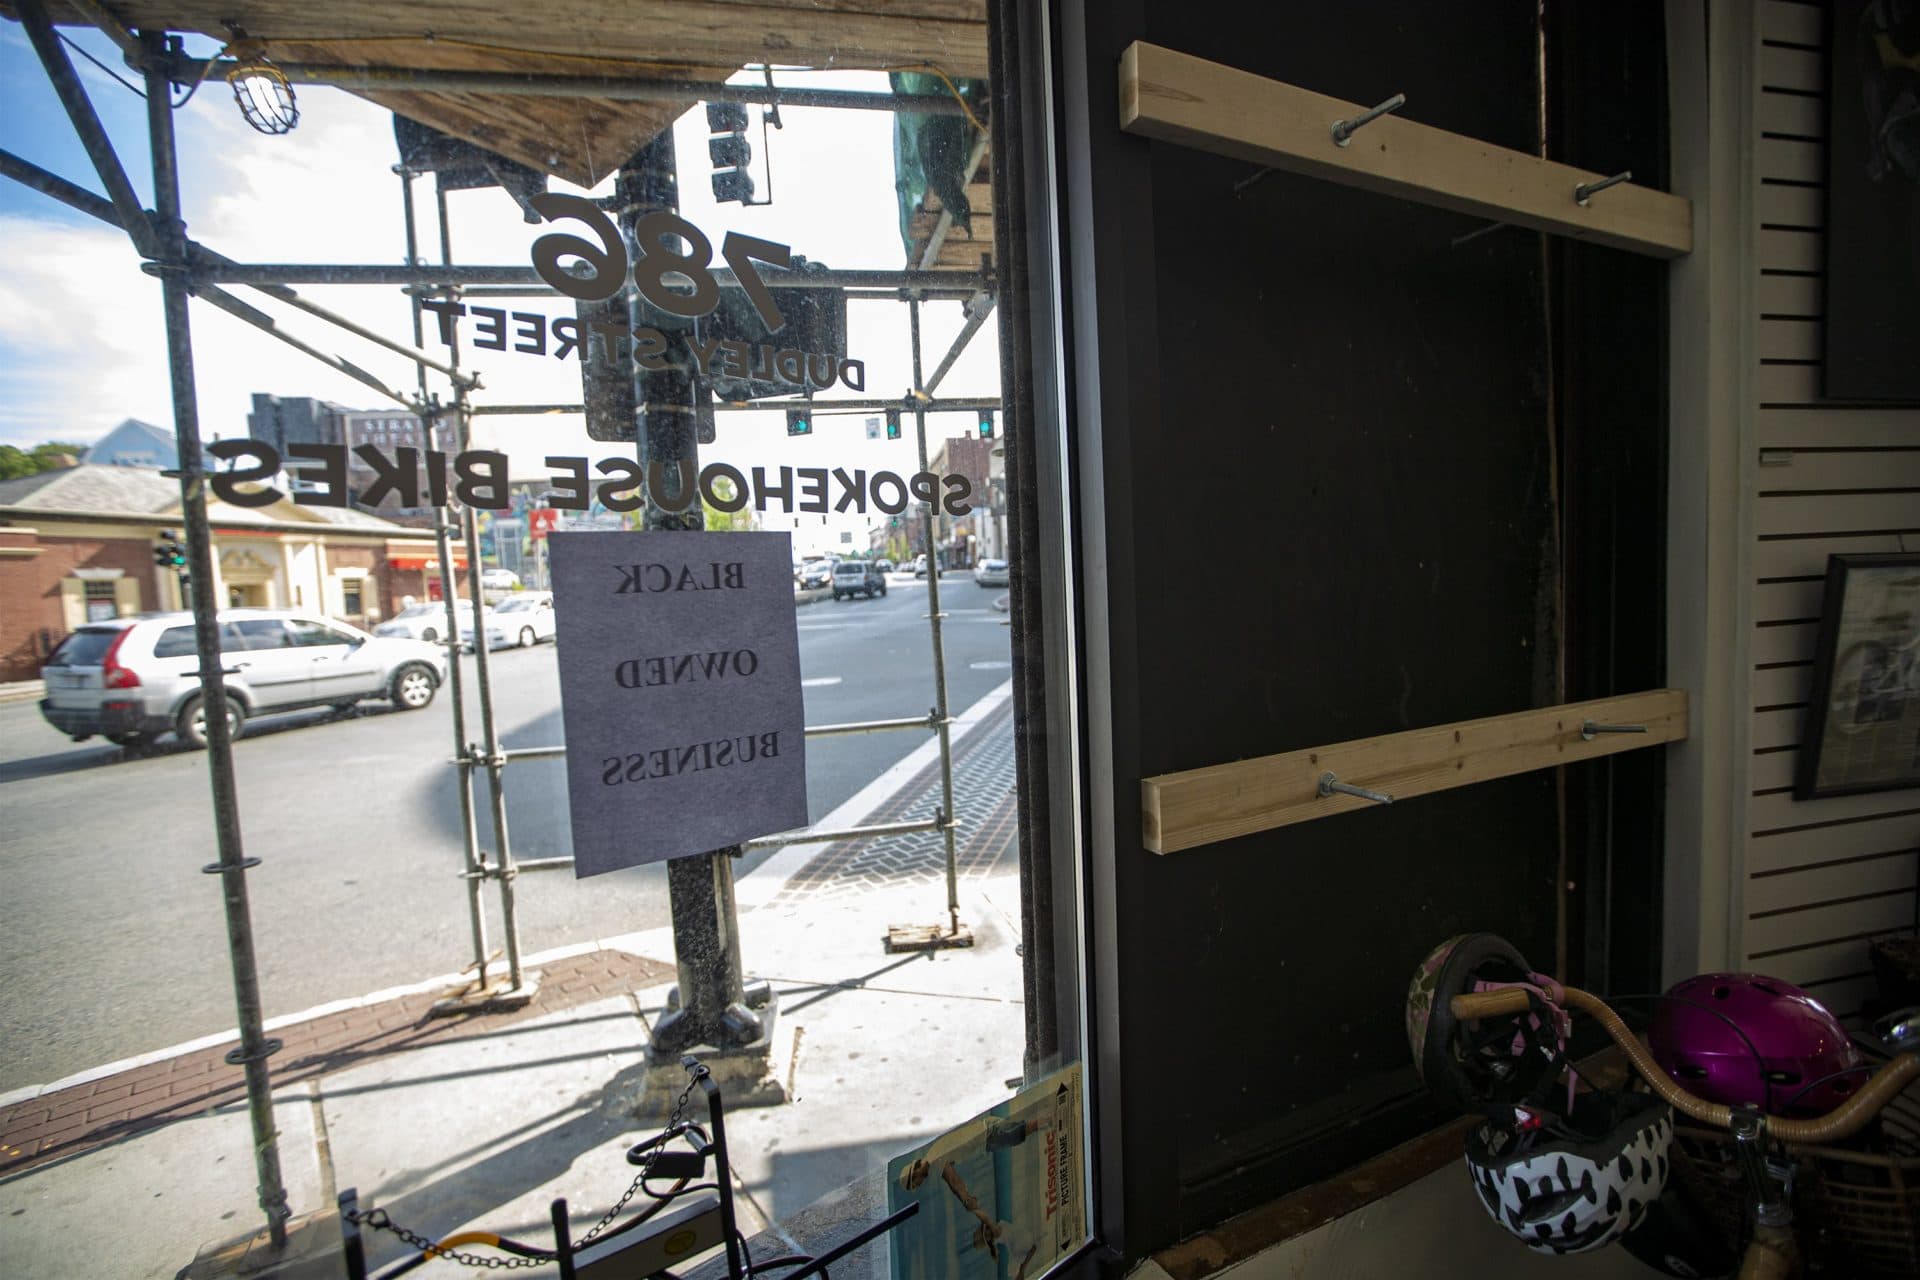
(1745, 1038)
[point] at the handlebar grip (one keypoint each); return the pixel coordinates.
(1489, 1004)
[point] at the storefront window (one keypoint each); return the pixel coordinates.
(680, 369)
(100, 601)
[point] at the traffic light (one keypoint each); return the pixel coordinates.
(893, 424)
(729, 151)
(986, 424)
(799, 422)
(171, 553)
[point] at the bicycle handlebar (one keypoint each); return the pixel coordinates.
(1848, 1120)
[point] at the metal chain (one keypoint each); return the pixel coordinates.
(698, 1074)
(379, 1221)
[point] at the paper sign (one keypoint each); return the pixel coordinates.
(679, 692)
(1001, 1197)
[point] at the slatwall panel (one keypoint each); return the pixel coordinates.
(1823, 876)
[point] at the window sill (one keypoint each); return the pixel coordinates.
(1299, 1212)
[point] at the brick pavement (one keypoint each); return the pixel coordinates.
(82, 1116)
(986, 834)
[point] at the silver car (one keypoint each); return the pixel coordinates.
(428, 621)
(133, 679)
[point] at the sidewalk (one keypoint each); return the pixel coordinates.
(22, 691)
(479, 1121)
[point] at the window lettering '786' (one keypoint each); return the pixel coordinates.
(657, 238)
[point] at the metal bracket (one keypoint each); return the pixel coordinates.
(240, 1057)
(221, 868)
(1585, 191)
(1590, 729)
(1331, 785)
(1343, 130)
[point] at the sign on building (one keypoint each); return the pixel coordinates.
(680, 692)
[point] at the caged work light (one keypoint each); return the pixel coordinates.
(265, 97)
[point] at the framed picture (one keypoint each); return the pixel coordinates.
(1863, 716)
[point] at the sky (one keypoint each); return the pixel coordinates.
(82, 343)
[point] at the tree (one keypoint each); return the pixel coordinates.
(718, 521)
(16, 462)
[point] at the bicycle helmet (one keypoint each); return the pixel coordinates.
(1471, 1066)
(1567, 1186)
(1747, 1039)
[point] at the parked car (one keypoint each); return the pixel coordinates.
(498, 579)
(884, 566)
(132, 679)
(991, 573)
(858, 578)
(525, 619)
(428, 622)
(817, 574)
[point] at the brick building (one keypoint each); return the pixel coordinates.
(77, 545)
(976, 536)
(287, 420)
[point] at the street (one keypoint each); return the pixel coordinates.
(114, 943)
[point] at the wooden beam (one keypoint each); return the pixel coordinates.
(583, 35)
(1202, 806)
(930, 254)
(1174, 97)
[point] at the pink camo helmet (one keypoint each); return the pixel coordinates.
(1785, 1041)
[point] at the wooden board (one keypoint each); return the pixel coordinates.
(1174, 97)
(954, 249)
(842, 34)
(578, 139)
(1202, 806)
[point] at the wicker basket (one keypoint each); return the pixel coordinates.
(1856, 1210)
(1896, 970)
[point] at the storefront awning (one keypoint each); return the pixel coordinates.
(422, 555)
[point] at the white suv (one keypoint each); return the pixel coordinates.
(132, 679)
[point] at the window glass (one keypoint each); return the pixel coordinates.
(175, 642)
(307, 633)
(263, 633)
(84, 648)
(100, 601)
(737, 321)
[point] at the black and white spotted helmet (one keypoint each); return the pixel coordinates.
(1573, 1185)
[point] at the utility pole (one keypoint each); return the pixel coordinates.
(710, 1006)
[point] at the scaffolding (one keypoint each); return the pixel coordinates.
(188, 269)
